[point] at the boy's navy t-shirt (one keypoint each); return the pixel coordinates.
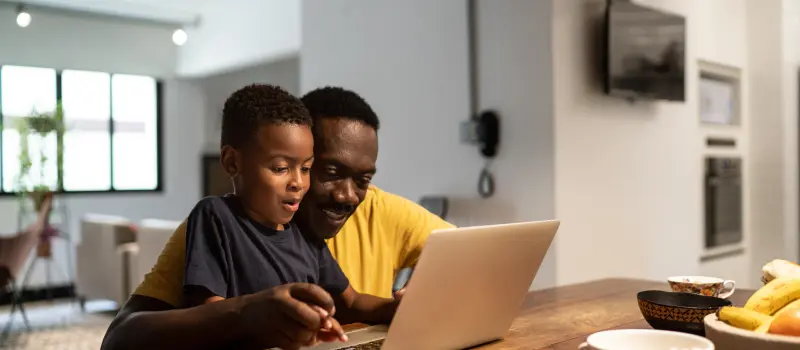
(231, 255)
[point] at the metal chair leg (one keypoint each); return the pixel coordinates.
(24, 314)
(16, 302)
(6, 333)
(7, 328)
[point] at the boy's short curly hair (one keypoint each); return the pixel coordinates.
(254, 105)
(337, 102)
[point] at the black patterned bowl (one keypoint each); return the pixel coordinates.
(681, 312)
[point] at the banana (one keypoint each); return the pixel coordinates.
(774, 295)
(742, 318)
(764, 327)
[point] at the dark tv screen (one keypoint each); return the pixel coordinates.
(645, 53)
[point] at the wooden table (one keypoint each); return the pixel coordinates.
(561, 318)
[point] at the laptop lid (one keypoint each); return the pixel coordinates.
(468, 285)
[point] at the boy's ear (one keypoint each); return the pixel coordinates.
(229, 159)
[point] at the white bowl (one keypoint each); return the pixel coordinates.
(727, 337)
(645, 339)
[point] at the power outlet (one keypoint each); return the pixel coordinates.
(469, 132)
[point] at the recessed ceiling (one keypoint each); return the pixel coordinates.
(176, 11)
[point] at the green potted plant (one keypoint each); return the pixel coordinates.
(40, 125)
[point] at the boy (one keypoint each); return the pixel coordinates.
(244, 242)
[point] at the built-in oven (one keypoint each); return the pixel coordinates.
(723, 201)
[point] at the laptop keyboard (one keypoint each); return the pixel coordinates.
(373, 345)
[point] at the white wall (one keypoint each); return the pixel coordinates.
(791, 93)
(515, 79)
(95, 44)
(235, 34)
(628, 176)
(409, 61)
(767, 108)
(217, 88)
(70, 41)
(411, 66)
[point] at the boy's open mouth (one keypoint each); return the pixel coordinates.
(291, 205)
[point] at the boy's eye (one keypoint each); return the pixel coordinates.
(305, 169)
(280, 169)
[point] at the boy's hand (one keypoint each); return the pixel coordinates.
(288, 316)
(330, 331)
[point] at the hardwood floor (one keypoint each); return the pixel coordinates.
(56, 325)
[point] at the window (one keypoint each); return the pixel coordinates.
(87, 145)
(134, 105)
(24, 90)
(111, 142)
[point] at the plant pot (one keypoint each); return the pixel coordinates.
(38, 198)
(44, 249)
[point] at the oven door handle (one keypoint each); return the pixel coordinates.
(717, 181)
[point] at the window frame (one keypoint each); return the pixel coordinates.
(159, 139)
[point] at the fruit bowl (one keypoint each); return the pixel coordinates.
(727, 337)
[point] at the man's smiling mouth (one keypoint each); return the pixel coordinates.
(335, 215)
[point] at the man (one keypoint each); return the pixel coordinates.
(372, 234)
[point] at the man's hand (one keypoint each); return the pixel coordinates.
(290, 316)
(398, 295)
(355, 307)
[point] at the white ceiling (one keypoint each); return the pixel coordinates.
(181, 11)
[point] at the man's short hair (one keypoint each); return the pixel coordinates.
(254, 105)
(337, 102)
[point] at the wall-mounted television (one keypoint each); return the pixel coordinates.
(644, 53)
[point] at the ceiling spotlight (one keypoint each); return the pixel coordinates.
(23, 17)
(179, 37)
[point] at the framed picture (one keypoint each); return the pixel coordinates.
(215, 181)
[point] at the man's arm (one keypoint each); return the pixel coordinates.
(352, 307)
(148, 323)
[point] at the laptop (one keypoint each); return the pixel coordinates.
(466, 289)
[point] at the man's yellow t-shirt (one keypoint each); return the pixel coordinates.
(385, 234)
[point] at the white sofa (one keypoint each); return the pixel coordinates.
(152, 236)
(105, 258)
